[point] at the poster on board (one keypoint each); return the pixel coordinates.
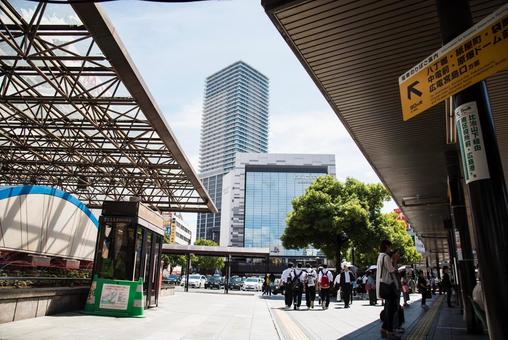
(114, 297)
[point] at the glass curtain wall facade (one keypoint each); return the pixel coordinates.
(235, 119)
(268, 196)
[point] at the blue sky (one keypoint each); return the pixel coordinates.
(176, 46)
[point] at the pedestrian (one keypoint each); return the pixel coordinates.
(398, 318)
(364, 290)
(345, 281)
(318, 290)
(266, 285)
(423, 288)
(285, 282)
(446, 286)
(405, 288)
(310, 286)
(386, 288)
(272, 283)
(325, 279)
(371, 287)
(297, 280)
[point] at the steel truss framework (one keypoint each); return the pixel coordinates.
(68, 119)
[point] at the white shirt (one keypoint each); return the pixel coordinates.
(328, 273)
(347, 277)
(311, 277)
(384, 270)
(296, 274)
(286, 274)
(365, 279)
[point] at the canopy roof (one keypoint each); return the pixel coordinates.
(76, 114)
(355, 50)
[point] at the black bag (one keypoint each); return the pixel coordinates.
(387, 290)
(295, 282)
(428, 294)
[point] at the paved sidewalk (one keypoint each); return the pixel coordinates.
(182, 316)
(450, 325)
(361, 321)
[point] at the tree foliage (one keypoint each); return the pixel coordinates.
(330, 209)
(207, 264)
(173, 260)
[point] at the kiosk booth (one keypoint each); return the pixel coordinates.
(126, 274)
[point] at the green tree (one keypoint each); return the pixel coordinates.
(207, 264)
(173, 260)
(395, 230)
(332, 216)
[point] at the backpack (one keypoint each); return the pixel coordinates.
(324, 282)
(295, 282)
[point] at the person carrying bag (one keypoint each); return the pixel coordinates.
(387, 289)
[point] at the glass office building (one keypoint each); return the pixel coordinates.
(268, 195)
(257, 195)
(235, 119)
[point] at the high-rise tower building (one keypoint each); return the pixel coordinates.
(235, 119)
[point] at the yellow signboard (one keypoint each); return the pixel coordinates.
(476, 54)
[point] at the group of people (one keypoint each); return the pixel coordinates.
(315, 283)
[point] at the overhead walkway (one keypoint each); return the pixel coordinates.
(76, 114)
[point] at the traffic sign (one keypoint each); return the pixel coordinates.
(476, 54)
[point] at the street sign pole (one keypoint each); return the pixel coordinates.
(484, 177)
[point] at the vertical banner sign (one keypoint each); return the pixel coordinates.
(476, 54)
(472, 148)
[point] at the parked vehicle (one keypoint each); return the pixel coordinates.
(215, 281)
(253, 283)
(235, 283)
(173, 280)
(195, 281)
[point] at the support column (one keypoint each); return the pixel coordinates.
(187, 272)
(464, 255)
(488, 197)
(228, 274)
(438, 268)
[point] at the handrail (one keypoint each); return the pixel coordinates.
(14, 278)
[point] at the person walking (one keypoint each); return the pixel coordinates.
(310, 286)
(272, 283)
(318, 290)
(405, 288)
(446, 286)
(371, 287)
(387, 289)
(286, 282)
(297, 279)
(325, 279)
(345, 281)
(423, 288)
(266, 285)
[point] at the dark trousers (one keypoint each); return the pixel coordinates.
(297, 295)
(288, 294)
(448, 291)
(372, 296)
(391, 306)
(310, 294)
(424, 298)
(346, 293)
(325, 296)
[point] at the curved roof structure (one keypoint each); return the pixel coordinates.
(21, 190)
(76, 114)
(355, 50)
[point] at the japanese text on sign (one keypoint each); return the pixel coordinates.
(473, 56)
(474, 159)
